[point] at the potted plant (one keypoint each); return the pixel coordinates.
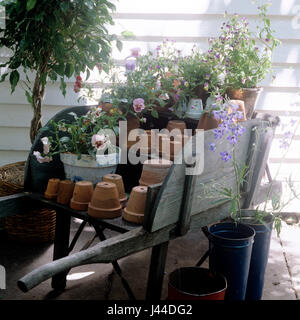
(86, 145)
(246, 59)
(51, 39)
(201, 72)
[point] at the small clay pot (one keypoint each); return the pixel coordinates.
(207, 122)
(154, 171)
(52, 189)
(176, 124)
(118, 181)
(65, 191)
(134, 212)
(82, 195)
(105, 202)
(241, 107)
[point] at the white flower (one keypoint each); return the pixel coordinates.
(98, 141)
(40, 158)
(46, 145)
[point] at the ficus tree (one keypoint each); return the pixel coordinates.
(54, 40)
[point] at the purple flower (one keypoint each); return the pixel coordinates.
(288, 134)
(267, 40)
(212, 146)
(283, 144)
(176, 97)
(232, 139)
(225, 156)
(292, 122)
(138, 104)
(243, 81)
(130, 65)
(157, 66)
(207, 76)
(218, 133)
(238, 130)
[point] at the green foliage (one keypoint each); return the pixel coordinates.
(55, 39)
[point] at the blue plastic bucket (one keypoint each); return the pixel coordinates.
(230, 248)
(260, 253)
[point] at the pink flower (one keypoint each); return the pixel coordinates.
(138, 104)
(135, 52)
(98, 141)
(40, 158)
(78, 78)
(46, 145)
(243, 81)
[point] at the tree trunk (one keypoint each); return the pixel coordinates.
(38, 92)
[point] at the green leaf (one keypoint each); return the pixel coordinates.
(154, 114)
(30, 4)
(69, 70)
(128, 34)
(119, 45)
(59, 69)
(14, 79)
(64, 139)
(63, 86)
(28, 96)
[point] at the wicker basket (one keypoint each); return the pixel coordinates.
(34, 225)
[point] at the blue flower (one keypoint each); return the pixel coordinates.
(225, 156)
(232, 139)
(219, 132)
(212, 146)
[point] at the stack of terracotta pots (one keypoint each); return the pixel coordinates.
(105, 202)
(82, 195)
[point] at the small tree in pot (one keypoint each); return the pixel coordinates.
(54, 39)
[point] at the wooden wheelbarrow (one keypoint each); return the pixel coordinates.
(177, 206)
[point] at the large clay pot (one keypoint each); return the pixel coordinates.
(207, 122)
(134, 212)
(105, 202)
(248, 95)
(87, 168)
(154, 171)
(65, 192)
(82, 195)
(52, 189)
(118, 181)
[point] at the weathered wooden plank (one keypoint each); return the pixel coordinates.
(104, 252)
(260, 165)
(12, 205)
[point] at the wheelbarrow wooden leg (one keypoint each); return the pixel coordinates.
(156, 271)
(61, 246)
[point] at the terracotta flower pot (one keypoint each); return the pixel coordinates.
(65, 191)
(154, 171)
(134, 212)
(82, 195)
(118, 181)
(248, 95)
(241, 107)
(176, 124)
(52, 189)
(105, 202)
(207, 122)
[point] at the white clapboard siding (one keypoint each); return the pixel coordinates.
(189, 23)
